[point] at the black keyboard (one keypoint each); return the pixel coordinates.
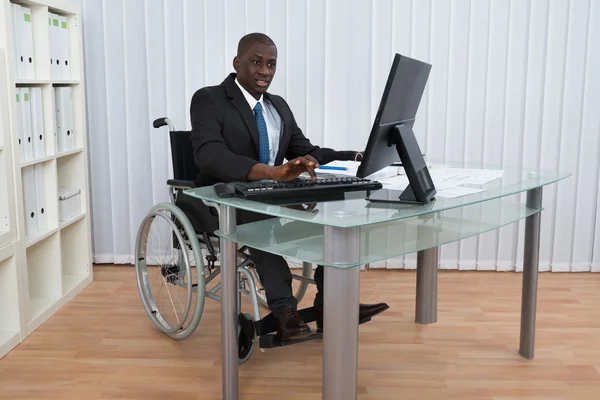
(304, 188)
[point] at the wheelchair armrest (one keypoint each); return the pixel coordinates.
(182, 183)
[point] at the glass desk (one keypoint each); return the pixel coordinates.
(346, 233)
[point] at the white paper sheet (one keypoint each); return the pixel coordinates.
(446, 178)
(449, 182)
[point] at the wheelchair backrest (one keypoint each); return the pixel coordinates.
(182, 156)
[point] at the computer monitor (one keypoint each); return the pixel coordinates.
(392, 138)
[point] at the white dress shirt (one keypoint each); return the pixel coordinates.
(272, 119)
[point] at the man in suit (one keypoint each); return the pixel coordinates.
(241, 132)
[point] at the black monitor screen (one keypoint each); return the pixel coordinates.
(399, 104)
(392, 138)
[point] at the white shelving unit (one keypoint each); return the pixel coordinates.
(10, 328)
(44, 266)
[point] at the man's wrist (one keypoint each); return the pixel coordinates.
(261, 171)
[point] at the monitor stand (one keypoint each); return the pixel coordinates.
(407, 196)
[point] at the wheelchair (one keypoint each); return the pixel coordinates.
(173, 242)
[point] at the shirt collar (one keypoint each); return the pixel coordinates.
(249, 98)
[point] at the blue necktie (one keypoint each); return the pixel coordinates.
(262, 134)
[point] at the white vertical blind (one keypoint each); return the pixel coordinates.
(513, 83)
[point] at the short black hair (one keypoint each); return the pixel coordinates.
(247, 40)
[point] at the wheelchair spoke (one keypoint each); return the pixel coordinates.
(171, 298)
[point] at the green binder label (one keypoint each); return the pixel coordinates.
(55, 22)
(27, 17)
(17, 97)
(25, 97)
(64, 24)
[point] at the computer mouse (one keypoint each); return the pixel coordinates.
(223, 189)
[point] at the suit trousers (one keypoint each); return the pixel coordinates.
(274, 271)
(276, 278)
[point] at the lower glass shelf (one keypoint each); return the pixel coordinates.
(304, 241)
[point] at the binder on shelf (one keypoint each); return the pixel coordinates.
(26, 123)
(29, 197)
(37, 122)
(64, 44)
(19, 56)
(55, 121)
(64, 118)
(20, 126)
(40, 197)
(55, 47)
(26, 43)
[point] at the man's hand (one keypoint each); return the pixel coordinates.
(285, 172)
(292, 169)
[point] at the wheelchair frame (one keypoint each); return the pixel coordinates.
(250, 326)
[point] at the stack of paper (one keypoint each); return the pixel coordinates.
(453, 177)
(457, 182)
(449, 182)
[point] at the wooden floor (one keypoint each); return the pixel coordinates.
(102, 346)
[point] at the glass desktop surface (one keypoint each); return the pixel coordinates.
(355, 210)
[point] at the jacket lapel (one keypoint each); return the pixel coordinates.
(239, 102)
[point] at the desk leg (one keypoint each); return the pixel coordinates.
(340, 314)
(427, 286)
(530, 274)
(229, 312)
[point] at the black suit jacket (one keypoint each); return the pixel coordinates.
(225, 136)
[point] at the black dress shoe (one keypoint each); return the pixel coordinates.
(365, 313)
(290, 326)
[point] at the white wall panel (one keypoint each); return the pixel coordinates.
(277, 24)
(552, 119)
(534, 99)
(156, 65)
(570, 134)
(117, 146)
(453, 143)
(297, 44)
(476, 105)
(587, 171)
(100, 163)
(139, 184)
(513, 83)
(494, 112)
(315, 71)
(512, 137)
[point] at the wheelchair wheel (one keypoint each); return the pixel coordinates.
(246, 337)
(298, 286)
(167, 249)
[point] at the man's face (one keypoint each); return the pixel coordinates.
(256, 68)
